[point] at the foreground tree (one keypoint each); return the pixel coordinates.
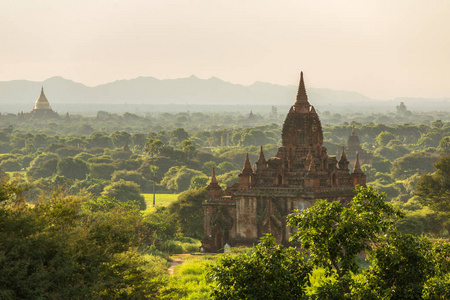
(334, 234)
(269, 271)
(406, 267)
(68, 247)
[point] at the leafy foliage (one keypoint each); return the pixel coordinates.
(402, 265)
(61, 249)
(434, 189)
(178, 179)
(72, 168)
(188, 212)
(334, 234)
(269, 271)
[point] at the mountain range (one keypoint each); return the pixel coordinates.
(63, 94)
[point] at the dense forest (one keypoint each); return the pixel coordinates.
(76, 225)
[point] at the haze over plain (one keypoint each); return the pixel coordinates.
(381, 49)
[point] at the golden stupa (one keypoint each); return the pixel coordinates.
(42, 102)
(42, 107)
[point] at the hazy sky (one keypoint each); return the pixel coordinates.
(383, 49)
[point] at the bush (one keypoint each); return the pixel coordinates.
(269, 272)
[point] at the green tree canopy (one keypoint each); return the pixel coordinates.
(153, 147)
(404, 267)
(434, 189)
(384, 138)
(188, 212)
(99, 140)
(444, 145)
(412, 163)
(178, 179)
(133, 176)
(120, 138)
(180, 134)
(44, 169)
(125, 191)
(72, 168)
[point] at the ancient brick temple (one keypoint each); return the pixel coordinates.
(300, 173)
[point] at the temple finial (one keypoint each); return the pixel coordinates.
(301, 104)
(301, 93)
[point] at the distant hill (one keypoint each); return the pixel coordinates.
(192, 91)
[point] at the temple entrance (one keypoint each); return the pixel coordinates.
(219, 242)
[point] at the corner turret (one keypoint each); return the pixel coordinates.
(261, 162)
(213, 190)
(245, 178)
(358, 176)
(343, 162)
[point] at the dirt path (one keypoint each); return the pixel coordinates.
(176, 261)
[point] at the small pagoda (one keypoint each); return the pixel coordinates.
(300, 173)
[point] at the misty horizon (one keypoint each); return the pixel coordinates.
(381, 49)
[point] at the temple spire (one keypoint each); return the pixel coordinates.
(126, 148)
(213, 176)
(343, 156)
(261, 162)
(302, 98)
(261, 157)
(301, 105)
(247, 169)
(353, 131)
(357, 168)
